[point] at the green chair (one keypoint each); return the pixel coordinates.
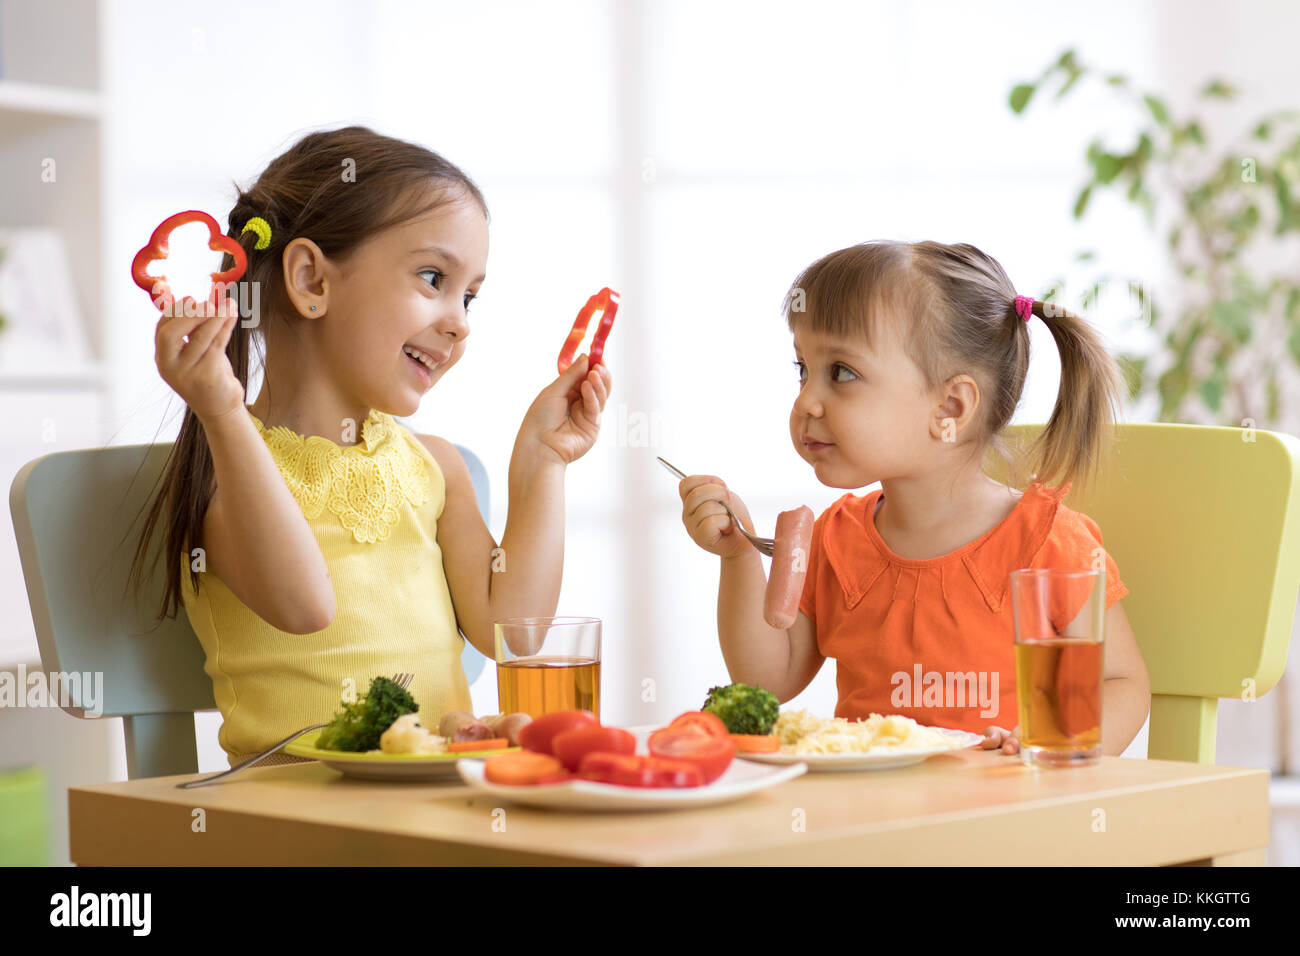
(1203, 524)
(24, 821)
(77, 516)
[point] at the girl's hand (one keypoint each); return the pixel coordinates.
(198, 370)
(565, 416)
(998, 737)
(707, 522)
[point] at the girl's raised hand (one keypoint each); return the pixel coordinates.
(999, 737)
(565, 416)
(198, 369)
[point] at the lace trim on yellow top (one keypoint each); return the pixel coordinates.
(363, 484)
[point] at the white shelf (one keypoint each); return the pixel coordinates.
(55, 378)
(50, 101)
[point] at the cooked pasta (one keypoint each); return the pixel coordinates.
(805, 733)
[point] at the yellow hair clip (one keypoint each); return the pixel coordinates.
(263, 230)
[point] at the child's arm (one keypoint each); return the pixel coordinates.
(255, 538)
(521, 578)
(1126, 691)
(782, 661)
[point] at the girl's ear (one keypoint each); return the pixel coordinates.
(305, 279)
(959, 398)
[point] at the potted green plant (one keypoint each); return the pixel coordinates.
(1228, 216)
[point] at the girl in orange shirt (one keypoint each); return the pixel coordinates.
(911, 359)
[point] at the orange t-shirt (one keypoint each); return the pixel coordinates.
(934, 640)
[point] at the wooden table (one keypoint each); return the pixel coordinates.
(969, 807)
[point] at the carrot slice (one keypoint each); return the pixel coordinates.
(520, 769)
(756, 743)
(494, 743)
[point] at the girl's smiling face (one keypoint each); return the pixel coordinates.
(863, 413)
(407, 289)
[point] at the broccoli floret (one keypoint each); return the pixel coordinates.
(744, 709)
(359, 725)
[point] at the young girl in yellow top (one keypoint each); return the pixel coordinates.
(318, 543)
(911, 360)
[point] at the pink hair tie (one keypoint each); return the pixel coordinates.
(1024, 306)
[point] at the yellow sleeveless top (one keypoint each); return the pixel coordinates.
(374, 509)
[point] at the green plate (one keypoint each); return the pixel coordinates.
(381, 766)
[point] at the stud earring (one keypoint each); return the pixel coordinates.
(313, 308)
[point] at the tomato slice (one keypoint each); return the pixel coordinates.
(520, 769)
(756, 743)
(674, 773)
(602, 767)
(700, 721)
(711, 754)
(559, 776)
(570, 746)
(630, 770)
(538, 734)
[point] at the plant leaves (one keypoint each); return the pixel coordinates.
(1065, 87)
(1081, 203)
(1159, 112)
(1020, 96)
(1220, 89)
(1107, 167)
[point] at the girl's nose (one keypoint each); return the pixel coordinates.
(455, 324)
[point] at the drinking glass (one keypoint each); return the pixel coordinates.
(545, 664)
(1059, 617)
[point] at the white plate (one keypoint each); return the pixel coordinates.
(739, 780)
(878, 760)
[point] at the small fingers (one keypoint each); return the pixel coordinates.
(1012, 744)
(706, 492)
(693, 482)
(599, 385)
(213, 323)
(994, 737)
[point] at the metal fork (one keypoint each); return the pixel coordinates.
(764, 545)
(403, 680)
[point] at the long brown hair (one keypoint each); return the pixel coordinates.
(958, 309)
(337, 188)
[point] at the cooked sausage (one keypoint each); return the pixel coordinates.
(510, 725)
(453, 721)
(789, 567)
(474, 731)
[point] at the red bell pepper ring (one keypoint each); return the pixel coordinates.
(607, 301)
(160, 292)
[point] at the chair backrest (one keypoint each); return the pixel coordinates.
(77, 516)
(1202, 523)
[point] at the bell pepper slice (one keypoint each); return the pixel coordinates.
(160, 292)
(606, 300)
